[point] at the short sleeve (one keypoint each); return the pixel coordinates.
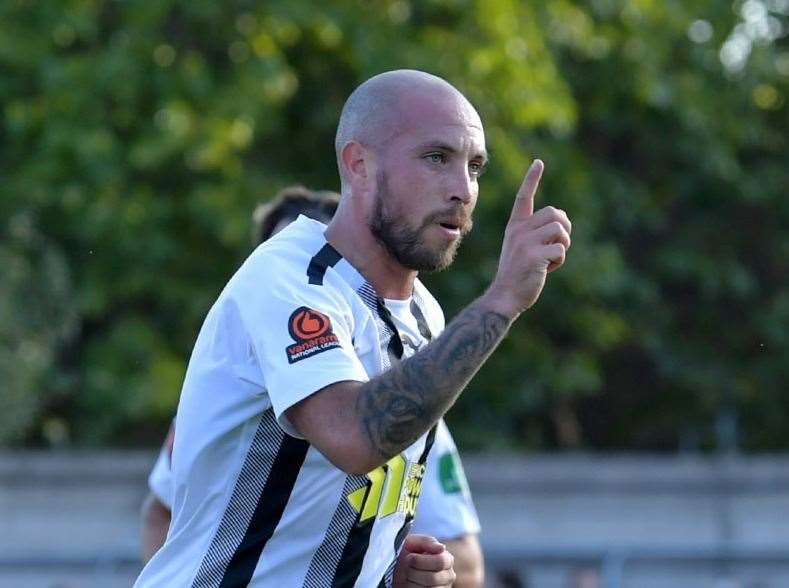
(302, 335)
(445, 508)
(160, 480)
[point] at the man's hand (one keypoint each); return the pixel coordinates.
(423, 561)
(535, 244)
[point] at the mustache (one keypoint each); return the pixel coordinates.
(456, 217)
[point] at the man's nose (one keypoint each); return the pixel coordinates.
(463, 188)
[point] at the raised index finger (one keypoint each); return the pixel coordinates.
(524, 201)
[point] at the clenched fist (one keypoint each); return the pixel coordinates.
(535, 244)
(423, 561)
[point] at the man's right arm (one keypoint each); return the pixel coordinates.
(360, 425)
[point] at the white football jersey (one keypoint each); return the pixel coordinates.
(445, 511)
(253, 504)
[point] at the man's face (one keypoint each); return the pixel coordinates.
(427, 182)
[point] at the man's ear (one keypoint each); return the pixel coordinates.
(358, 163)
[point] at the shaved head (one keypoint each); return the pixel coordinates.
(410, 149)
(377, 110)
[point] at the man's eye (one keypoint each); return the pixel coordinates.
(436, 158)
(476, 168)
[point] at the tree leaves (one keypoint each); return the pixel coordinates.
(137, 138)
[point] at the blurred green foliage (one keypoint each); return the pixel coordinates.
(136, 137)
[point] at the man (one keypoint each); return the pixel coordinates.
(305, 419)
(445, 509)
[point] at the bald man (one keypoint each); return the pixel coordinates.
(310, 405)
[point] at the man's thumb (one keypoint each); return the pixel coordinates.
(423, 544)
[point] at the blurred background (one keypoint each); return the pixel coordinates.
(631, 431)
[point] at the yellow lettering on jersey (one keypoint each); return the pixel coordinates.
(356, 498)
(395, 477)
(367, 500)
(377, 477)
(413, 488)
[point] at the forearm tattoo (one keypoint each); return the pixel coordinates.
(398, 406)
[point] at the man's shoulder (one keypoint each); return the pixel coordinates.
(292, 248)
(282, 271)
(283, 259)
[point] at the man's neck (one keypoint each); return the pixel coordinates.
(354, 241)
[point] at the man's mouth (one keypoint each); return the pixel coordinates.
(453, 224)
(451, 229)
(460, 224)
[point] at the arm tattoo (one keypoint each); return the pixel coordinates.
(399, 405)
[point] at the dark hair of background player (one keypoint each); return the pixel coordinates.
(288, 204)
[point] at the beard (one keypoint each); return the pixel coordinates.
(405, 243)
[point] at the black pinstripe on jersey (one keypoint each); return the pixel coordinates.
(259, 497)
